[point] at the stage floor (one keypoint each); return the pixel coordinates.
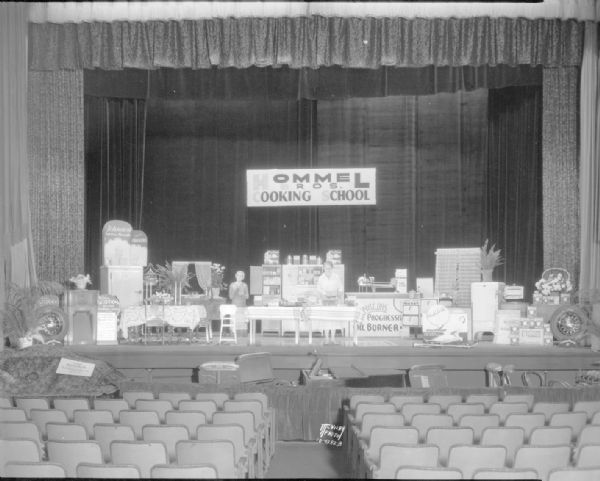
(372, 357)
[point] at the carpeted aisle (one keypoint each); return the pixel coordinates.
(306, 459)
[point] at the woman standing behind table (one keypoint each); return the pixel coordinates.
(238, 294)
(330, 286)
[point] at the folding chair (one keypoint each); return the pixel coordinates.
(588, 456)
(220, 454)
(208, 407)
(244, 454)
(105, 434)
(252, 437)
(115, 406)
(444, 400)
(400, 400)
(218, 397)
(142, 454)
(66, 432)
(576, 420)
(22, 430)
(91, 417)
(18, 450)
(409, 410)
(469, 458)
(170, 471)
(552, 435)
(268, 411)
(368, 454)
(260, 421)
(503, 409)
(548, 409)
(369, 421)
(478, 422)
(418, 472)
(68, 405)
(457, 410)
(190, 419)
(526, 398)
(27, 404)
(424, 422)
(542, 458)
(174, 397)
(12, 414)
(527, 421)
(573, 474)
(227, 313)
(132, 396)
(6, 402)
(512, 438)
(589, 407)
(446, 437)
(137, 420)
(41, 417)
(487, 399)
(505, 473)
(23, 469)
(590, 434)
(169, 435)
(393, 456)
(159, 406)
(119, 471)
(71, 453)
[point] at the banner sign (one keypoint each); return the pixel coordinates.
(305, 187)
(381, 317)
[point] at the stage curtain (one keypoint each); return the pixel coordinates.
(57, 176)
(285, 83)
(513, 215)
(589, 174)
(560, 174)
(114, 161)
(429, 152)
(17, 263)
(298, 42)
(197, 154)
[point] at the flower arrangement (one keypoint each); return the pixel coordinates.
(168, 277)
(81, 281)
(217, 273)
(554, 280)
(490, 256)
(19, 314)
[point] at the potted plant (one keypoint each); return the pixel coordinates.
(173, 280)
(20, 314)
(490, 259)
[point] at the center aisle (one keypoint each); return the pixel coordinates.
(298, 459)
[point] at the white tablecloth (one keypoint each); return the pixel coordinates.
(177, 316)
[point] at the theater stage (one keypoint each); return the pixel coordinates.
(381, 361)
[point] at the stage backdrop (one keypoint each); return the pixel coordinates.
(431, 153)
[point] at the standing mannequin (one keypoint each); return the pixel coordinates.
(238, 294)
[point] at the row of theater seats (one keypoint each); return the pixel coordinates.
(211, 433)
(460, 436)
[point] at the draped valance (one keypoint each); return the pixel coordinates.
(306, 42)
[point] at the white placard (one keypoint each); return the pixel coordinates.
(106, 327)
(304, 187)
(75, 368)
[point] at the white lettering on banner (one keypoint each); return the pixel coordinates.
(381, 317)
(299, 187)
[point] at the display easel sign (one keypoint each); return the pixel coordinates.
(116, 243)
(107, 328)
(138, 253)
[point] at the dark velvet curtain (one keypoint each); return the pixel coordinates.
(114, 169)
(514, 183)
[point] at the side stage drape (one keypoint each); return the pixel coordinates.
(16, 246)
